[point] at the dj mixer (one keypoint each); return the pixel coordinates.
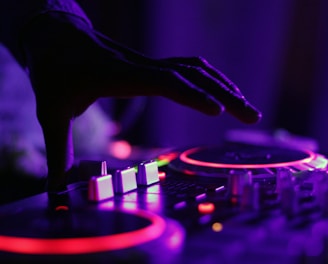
(234, 202)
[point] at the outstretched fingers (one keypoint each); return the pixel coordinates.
(179, 89)
(202, 63)
(215, 84)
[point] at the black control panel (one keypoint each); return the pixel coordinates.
(230, 203)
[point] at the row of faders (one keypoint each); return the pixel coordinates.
(106, 185)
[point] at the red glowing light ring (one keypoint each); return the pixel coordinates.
(84, 245)
(184, 157)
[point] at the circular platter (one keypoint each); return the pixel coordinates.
(219, 161)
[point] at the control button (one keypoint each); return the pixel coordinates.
(180, 205)
(217, 227)
(206, 208)
(200, 196)
(147, 173)
(125, 180)
(58, 201)
(100, 188)
(219, 189)
(162, 175)
(62, 208)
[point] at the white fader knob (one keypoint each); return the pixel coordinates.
(125, 180)
(101, 187)
(147, 173)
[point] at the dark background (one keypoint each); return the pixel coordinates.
(275, 51)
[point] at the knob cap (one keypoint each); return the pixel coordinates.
(100, 188)
(125, 180)
(147, 173)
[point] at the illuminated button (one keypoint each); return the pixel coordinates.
(217, 227)
(180, 205)
(62, 208)
(100, 188)
(200, 196)
(147, 173)
(219, 189)
(125, 180)
(161, 175)
(206, 208)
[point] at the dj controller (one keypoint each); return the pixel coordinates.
(234, 202)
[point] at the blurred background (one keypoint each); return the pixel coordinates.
(275, 51)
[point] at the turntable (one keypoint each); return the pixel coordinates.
(236, 202)
(218, 160)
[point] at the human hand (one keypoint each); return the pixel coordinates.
(71, 65)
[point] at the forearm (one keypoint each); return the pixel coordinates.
(16, 15)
